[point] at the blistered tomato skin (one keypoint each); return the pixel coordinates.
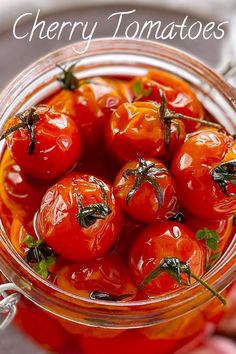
(95, 99)
(180, 97)
(55, 148)
(136, 129)
(20, 193)
(108, 274)
(193, 167)
(68, 229)
(156, 197)
(160, 240)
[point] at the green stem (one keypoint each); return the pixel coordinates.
(214, 292)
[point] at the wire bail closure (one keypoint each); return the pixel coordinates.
(8, 304)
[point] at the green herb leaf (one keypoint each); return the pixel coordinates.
(211, 237)
(30, 241)
(42, 267)
(138, 87)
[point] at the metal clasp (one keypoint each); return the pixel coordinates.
(8, 304)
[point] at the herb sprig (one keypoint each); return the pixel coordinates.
(40, 256)
(211, 237)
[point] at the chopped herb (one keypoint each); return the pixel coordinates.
(175, 268)
(140, 91)
(39, 255)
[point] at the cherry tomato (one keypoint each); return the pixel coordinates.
(180, 96)
(22, 194)
(137, 129)
(79, 218)
(106, 275)
(63, 101)
(146, 190)
(204, 168)
(45, 143)
(158, 241)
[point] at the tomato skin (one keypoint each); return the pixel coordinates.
(180, 96)
(160, 240)
(95, 100)
(57, 144)
(192, 166)
(20, 193)
(144, 206)
(57, 220)
(135, 129)
(63, 101)
(108, 274)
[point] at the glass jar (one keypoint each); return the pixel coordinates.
(65, 323)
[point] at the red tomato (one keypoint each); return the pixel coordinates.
(128, 342)
(180, 96)
(167, 239)
(137, 129)
(106, 275)
(21, 194)
(63, 101)
(204, 168)
(46, 145)
(146, 190)
(79, 218)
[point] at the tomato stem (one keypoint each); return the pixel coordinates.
(225, 174)
(68, 80)
(208, 287)
(145, 172)
(28, 120)
(175, 267)
(99, 295)
(89, 214)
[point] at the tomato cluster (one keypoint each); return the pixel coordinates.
(119, 189)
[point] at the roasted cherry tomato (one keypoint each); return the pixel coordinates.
(146, 190)
(22, 194)
(90, 102)
(63, 101)
(45, 143)
(160, 243)
(140, 129)
(79, 218)
(180, 96)
(204, 168)
(103, 279)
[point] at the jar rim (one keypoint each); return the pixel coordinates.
(126, 46)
